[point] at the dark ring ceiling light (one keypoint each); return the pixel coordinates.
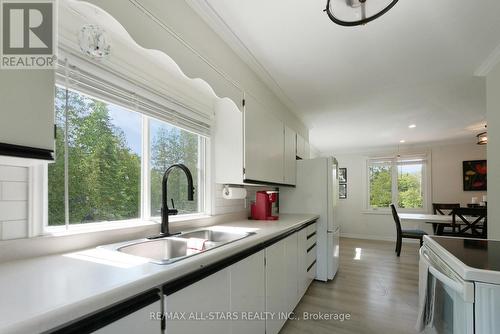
(357, 12)
(482, 138)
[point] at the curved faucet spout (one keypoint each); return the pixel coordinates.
(165, 211)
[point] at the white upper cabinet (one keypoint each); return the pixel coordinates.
(228, 143)
(27, 113)
(252, 146)
(290, 163)
(303, 149)
(264, 144)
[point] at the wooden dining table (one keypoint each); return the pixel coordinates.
(438, 221)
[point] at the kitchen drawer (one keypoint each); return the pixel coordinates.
(311, 229)
(311, 239)
(311, 254)
(311, 271)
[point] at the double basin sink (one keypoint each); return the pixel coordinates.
(175, 248)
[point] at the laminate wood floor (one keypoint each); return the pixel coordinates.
(378, 289)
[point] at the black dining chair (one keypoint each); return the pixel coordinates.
(473, 221)
(443, 209)
(409, 234)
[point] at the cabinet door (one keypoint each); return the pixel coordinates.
(264, 144)
(137, 322)
(27, 115)
(300, 147)
(302, 262)
(276, 302)
(248, 294)
(291, 277)
(211, 294)
(290, 163)
(228, 143)
(486, 308)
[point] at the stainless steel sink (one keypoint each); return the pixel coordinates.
(215, 236)
(175, 248)
(159, 251)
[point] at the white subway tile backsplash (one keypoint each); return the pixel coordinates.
(13, 210)
(13, 202)
(13, 173)
(14, 191)
(14, 229)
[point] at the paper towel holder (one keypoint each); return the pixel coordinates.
(226, 189)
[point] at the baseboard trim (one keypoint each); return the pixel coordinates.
(374, 237)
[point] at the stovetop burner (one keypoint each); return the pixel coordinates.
(475, 253)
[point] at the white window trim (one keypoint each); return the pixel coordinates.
(39, 193)
(426, 187)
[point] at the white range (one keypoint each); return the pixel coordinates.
(460, 279)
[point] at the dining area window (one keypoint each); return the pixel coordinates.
(401, 180)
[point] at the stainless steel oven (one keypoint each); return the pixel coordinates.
(450, 298)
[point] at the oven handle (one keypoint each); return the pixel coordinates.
(466, 289)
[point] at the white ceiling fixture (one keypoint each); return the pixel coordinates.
(357, 12)
(402, 141)
(412, 126)
(415, 64)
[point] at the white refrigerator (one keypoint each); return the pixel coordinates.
(316, 192)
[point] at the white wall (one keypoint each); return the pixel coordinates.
(446, 172)
(493, 107)
(447, 186)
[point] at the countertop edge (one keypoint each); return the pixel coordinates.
(66, 314)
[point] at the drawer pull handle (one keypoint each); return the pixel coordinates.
(312, 264)
(310, 248)
(311, 235)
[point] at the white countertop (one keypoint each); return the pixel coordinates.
(42, 293)
(457, 253)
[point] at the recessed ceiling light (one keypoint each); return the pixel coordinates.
(412, 126)
(402, 141)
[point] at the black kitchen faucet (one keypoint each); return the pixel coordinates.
(165, 211)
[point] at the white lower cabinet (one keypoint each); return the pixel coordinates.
(270, 282)
(248, 294)
(137, 322)
(302, 277)
(487, 304)
(292, 271)
(191, 309)
(276, 301)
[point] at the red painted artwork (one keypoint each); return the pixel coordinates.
(475, 175)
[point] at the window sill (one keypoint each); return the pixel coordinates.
(388, 211)
(376, 212)
(118, 225)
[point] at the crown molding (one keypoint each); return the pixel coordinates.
(485, 68)
(205, 10)
(403, 148)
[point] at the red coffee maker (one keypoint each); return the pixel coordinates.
(263, 206)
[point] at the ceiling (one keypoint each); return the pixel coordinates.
(361, 87)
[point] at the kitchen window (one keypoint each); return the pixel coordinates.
(110, 161)
(401, 180)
